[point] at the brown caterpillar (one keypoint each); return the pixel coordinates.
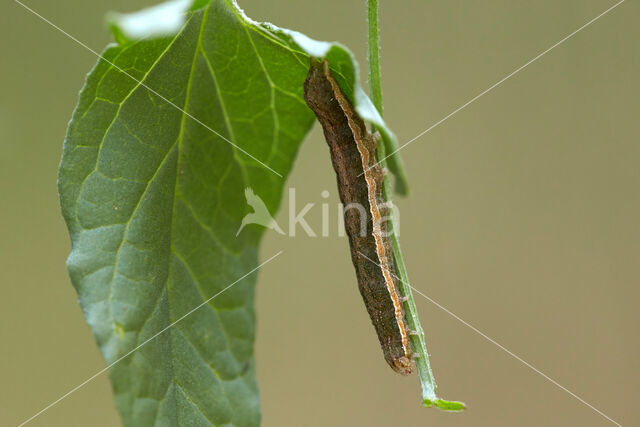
(360, 179)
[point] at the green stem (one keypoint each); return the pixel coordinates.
(418, 341)
(373, 51)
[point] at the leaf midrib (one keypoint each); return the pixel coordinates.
(171, 250)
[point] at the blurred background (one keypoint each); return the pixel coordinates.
(523, 220)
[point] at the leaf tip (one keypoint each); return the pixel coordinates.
(445, 405)
(401, 185)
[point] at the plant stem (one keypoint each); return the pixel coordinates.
(373, 55)
(418, 341)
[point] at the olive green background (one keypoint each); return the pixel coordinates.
(523, 220)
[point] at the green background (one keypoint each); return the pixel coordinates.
(523, 221)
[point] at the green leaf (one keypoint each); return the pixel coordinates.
(194, 104)
(153, 199)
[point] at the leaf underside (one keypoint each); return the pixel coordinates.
(153, 199)
(166, 136)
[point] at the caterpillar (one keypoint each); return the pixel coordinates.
(360, 179)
